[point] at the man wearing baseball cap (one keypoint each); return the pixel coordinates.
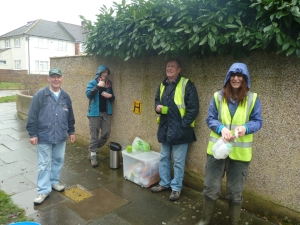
(50, 119)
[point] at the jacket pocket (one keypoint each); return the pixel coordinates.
(44, 127)
(65, 127)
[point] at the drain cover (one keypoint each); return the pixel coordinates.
(77, 193)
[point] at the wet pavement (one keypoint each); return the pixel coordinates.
(4, 93)
(112, 199)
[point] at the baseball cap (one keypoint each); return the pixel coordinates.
(55, 71)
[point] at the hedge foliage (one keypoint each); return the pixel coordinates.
(195, 28)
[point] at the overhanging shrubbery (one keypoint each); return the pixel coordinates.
(195, 28)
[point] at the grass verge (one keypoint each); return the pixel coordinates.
(8, 85)
(9, 212)
(8, 99)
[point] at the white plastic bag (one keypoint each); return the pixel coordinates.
(221, 150)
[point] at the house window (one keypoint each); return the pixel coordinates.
(7, 43)
(62, 45)
(42, 43)
(17, 42)
(82, 47)
(41, 65)
(2, 62)
(17, 64)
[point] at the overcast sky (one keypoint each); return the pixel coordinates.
(16, 13)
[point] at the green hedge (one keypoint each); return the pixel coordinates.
(195, 28)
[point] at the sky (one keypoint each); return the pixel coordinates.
(17, 13)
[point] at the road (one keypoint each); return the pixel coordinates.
(4, 93)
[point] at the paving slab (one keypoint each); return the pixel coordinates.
(127, 189)
(21, 135)
(16, 168)
(253, 220)
(20, 128)
(32, 176)
(110, 219)
(25, 201)
(92, 180)
(14, 145)
(16, 184)
(104, 168)
(17, 126)
(14, 156)
(55, 198)
(59, 214)
(5, 138)
(4, 93)
(147, 210)
(101, 203)
(4, 149)
(7, 130)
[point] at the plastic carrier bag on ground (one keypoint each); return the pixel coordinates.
(140, 145)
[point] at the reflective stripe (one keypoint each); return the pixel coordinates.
(178, 97)
(181, 104)
(242, 148)
(250, 100)
(235, 144)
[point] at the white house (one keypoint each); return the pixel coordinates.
(31, 46)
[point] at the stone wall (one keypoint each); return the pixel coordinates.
(23, 103)
(274, 170)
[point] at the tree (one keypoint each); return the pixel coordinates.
(195, 28)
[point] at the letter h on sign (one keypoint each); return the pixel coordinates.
(137, 107)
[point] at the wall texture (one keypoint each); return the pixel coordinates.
(274, 171)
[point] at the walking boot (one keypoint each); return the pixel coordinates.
(208, 209)
(234, 213)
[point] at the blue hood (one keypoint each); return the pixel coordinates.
(100, 70)
(238, 68)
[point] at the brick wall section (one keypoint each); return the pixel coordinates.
(12, 72)
(21, 76)
(77, 45)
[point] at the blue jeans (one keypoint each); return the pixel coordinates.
(50, 162)
(179, 155)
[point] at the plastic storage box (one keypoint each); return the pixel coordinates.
(141, 167)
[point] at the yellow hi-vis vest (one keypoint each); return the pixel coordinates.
(178, 97)
(242, 148)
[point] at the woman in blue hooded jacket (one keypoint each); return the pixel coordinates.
(232, 111)
(100, 94)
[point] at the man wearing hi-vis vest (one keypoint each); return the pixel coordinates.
(233, 110)
(177, 105)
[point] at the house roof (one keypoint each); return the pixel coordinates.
(4, 49)
(74, 31)
(48, 29)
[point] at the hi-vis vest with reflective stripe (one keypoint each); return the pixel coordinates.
(178, 97)
(242, 148)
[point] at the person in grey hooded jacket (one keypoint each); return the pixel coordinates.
(234, 114)
(100, 94)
